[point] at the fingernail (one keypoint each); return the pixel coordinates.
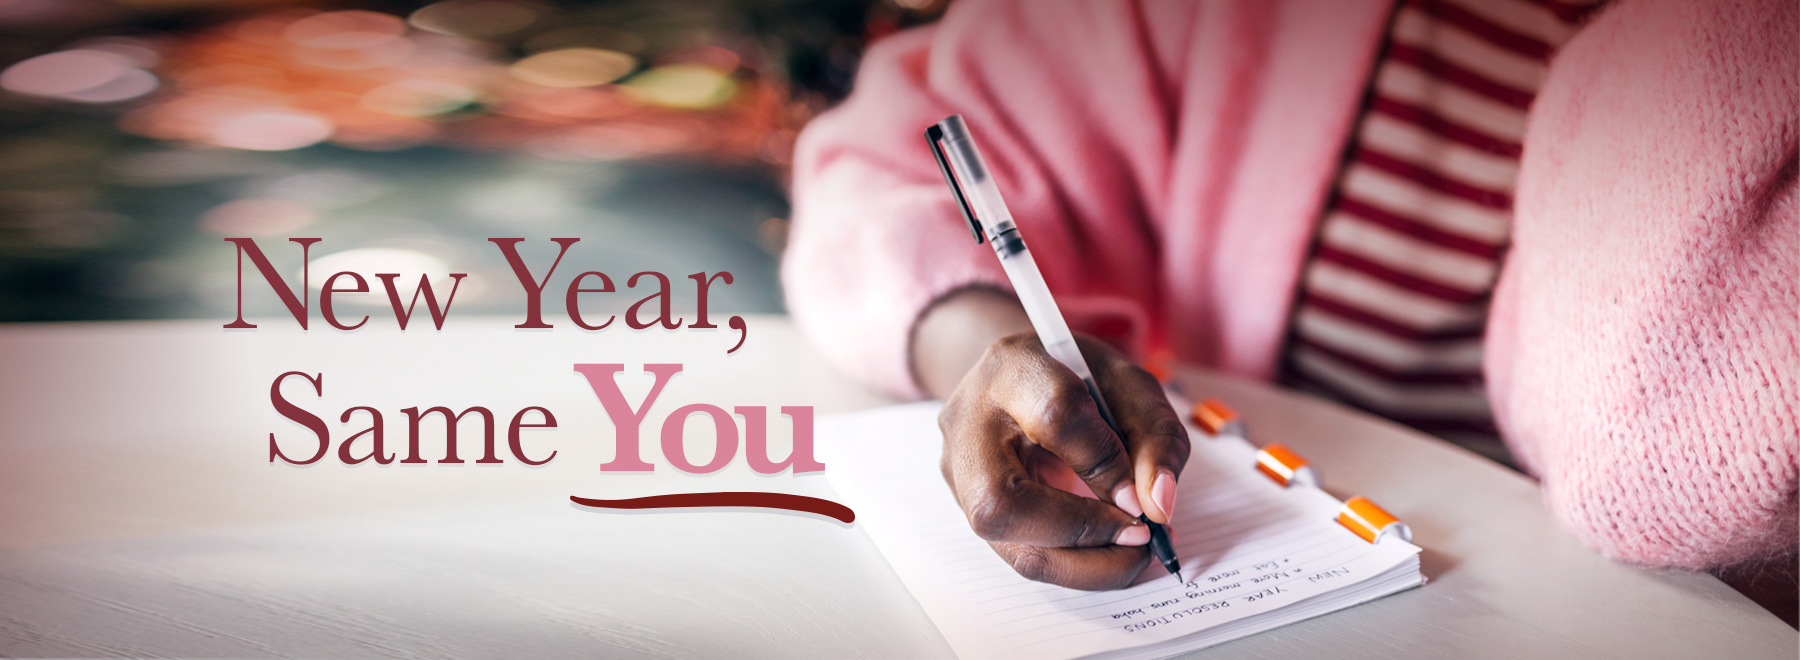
(1126, 499)
(1134, 534)
(1163, 493)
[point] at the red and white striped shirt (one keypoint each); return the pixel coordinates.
(1394, 297)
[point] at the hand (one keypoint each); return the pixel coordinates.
(1021, 432)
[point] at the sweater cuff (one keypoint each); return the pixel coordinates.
(858, 285)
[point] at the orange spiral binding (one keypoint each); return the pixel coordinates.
(1216, 418)
(1371, 522)
(1285, 467)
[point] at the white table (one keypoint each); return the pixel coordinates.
(142, 517)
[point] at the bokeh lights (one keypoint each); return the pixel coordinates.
(363, 79)
(86, 75)
(134, 134)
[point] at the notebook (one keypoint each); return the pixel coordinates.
(1261, 546)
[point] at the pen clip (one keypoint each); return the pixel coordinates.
(933, 136)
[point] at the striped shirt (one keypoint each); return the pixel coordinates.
(1394, 298)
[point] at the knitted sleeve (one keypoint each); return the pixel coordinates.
(877, 237)
(1642, 355)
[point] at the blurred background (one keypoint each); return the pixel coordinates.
(136, 134)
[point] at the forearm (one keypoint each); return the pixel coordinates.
(953, 334)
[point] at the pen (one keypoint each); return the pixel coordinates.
(991, 222)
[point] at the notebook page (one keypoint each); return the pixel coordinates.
(1247, 547)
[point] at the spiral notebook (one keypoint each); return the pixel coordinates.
(1261, 547)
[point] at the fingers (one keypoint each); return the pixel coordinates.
(1152, 431)
(1005, 504)
(1110, 567)
(1020, 422)
(1055, 410)
(1020, 510)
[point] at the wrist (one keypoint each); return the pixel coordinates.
(952, 334)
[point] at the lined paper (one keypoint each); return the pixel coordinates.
(1249, 549)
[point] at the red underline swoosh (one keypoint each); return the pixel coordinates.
(783, 501)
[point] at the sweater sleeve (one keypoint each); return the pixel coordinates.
(876, 236)
(1642, 354)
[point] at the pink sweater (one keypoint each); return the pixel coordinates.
(1169, 160)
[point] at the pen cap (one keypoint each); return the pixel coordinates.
(934, 137)
(964, 153)
(971, 181)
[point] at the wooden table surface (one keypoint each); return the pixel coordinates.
(141, 516)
